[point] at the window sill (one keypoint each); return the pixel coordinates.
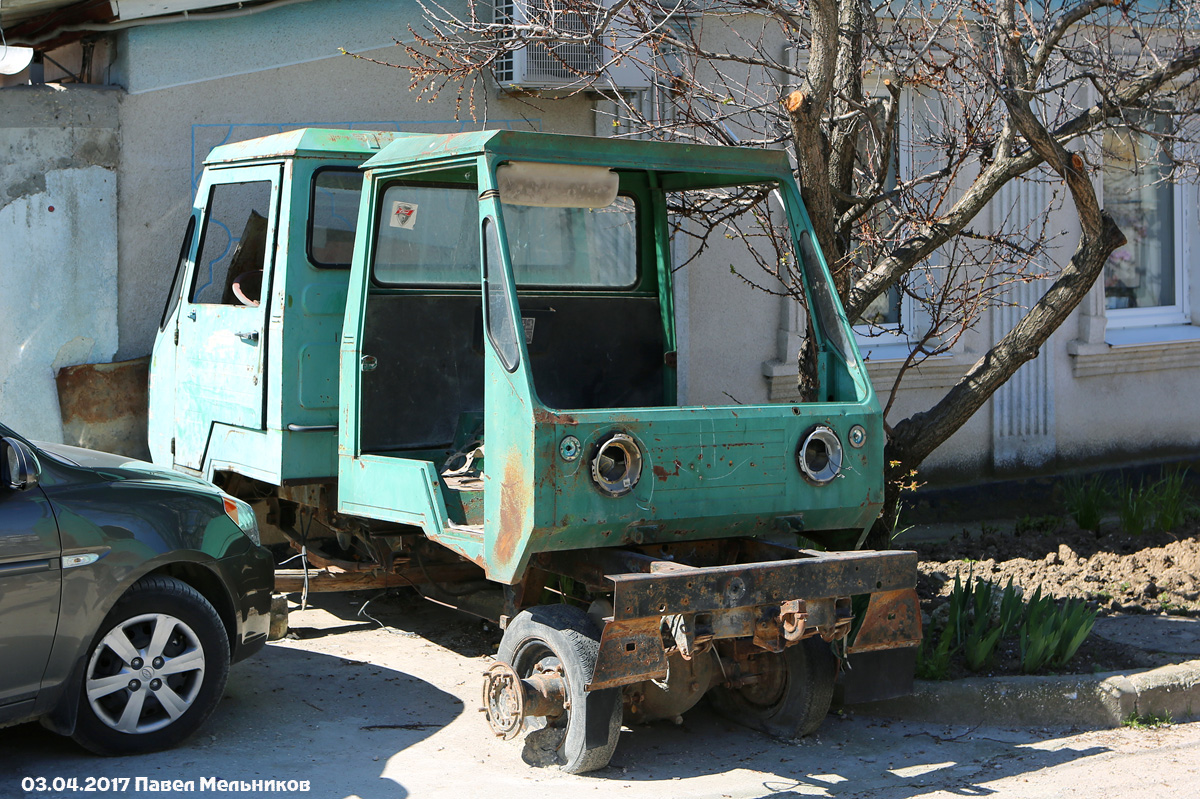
(1127, 350)
(941, 371)
(1139, 336)
(874, 350)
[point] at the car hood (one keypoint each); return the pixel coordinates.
(119, 467)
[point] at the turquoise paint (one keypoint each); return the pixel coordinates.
(707, 472)
(213, 388)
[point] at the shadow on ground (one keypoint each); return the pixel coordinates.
(286, 715)
(849, 757)
(407, 613)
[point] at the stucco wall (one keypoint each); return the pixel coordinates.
(58, 245)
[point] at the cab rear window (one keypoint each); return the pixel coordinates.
(429, 235)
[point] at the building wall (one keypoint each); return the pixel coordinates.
(261, 74)
(1092, 396)
(58, 245)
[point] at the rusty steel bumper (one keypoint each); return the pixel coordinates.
(773, 604)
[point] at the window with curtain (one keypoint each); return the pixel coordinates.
(1145, 272)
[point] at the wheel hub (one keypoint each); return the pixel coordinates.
(153, 654)
(508, 698)
(503, 701)
(771, 683)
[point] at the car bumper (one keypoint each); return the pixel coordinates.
(251, 579)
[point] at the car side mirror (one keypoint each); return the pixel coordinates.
(19, 468)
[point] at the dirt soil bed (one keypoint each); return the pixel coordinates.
(1114, 572)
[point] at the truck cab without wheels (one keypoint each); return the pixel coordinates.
(455, 369)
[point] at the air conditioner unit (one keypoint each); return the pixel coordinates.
(560, 66)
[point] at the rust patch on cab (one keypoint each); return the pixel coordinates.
(513, 502)
(663, 475)
(543, 416)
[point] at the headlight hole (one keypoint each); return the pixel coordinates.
(820, 455)
(816, 455)
(616, 464)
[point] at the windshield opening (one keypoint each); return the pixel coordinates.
(755, 286)
(587, 248)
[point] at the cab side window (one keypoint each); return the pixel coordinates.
(229, 267)
(180, 265)
(333, 216)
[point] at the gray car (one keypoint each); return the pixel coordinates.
(126, 591)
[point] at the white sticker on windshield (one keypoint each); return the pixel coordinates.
(404, 215)
(527, 323)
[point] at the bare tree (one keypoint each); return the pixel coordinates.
(1007, 92)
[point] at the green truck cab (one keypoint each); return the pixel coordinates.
(449, 361)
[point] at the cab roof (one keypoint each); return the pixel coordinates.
(305, 142)
(384, 149)
(613, 153)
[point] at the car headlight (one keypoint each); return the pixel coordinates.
(243, 516)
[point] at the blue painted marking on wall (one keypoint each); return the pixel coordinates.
(327, 196)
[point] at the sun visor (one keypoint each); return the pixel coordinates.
(556, 185)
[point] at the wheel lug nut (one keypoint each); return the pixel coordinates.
(136, 663)
(158, 663)
(155, 684)
(135, 685)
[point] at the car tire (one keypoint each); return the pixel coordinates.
(154, 672)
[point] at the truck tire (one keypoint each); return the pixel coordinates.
(792, 696)
(549, 636)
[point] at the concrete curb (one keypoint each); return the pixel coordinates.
(1089, 701)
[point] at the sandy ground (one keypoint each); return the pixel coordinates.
(364, 711)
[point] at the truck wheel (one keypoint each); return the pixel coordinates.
(792, 695)
(155, 670)
(547, 638)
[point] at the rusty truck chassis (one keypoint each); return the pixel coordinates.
(659, 604)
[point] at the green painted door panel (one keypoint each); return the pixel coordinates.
(220, 359)
(317, 381)
(508, 413)
(405, 491)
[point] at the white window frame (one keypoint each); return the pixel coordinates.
(890, 341)
(1179, 313)
(1108, 337)
(1102, 328)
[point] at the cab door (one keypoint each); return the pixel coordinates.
(30, 584)
(221, 354)
(412, 372)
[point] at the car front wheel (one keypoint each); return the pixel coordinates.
(155, 670)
